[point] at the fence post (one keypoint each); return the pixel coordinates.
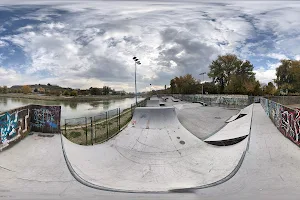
(66, 128)
(106, 127)
(95, 129)
(92, 130)
(119, 119)
(86, 131)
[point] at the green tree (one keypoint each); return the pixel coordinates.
(73, 93)
(5, 90)
(66, 93)
(106, 90)
(288, 76)
(270, 89)
(231, 74)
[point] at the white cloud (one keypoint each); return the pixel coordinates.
(2, 44)
(92, 44)
(277, 56)
(265, 75)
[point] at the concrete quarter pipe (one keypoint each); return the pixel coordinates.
(155, 153)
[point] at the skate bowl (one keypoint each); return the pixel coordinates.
(155, 153)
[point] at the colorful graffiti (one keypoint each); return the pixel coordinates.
(45, 118)
(287, 120)
(290, 123)
(8, 126)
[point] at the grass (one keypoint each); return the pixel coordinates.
(75, 134)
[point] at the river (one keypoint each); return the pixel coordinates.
(70, 109)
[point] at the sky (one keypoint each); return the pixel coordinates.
(91, 43)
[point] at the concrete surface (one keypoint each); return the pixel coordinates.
(270, 170)
(235, 129)
(152, 103)
(203, 121)
(155, 153)
(243, 111)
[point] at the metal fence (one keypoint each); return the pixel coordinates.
(101, 127)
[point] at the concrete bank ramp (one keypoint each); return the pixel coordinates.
(152, 103)
(154, 153)
(234, 131)
(241, 114)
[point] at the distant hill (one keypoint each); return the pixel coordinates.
(46, 87)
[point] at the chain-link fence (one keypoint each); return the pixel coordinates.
(101, 127)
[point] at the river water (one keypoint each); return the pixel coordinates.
(70, 109)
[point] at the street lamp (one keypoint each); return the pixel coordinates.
(150, 88)
(203, 79)
(136, 61)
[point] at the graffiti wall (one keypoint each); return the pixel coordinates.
(14, 125)
(45, 119)
(216, 100)
(286, 119)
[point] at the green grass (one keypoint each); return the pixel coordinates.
(74, 134)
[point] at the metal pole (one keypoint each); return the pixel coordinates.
(202, 83)
(85, 130)
(106, 127)
(119, 119)
(66, 128)
(95, 128)
(135, 83)
(92, 130)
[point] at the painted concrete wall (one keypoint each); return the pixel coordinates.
(215, 99)
(15, 124)
(45, 119)
(287, 120)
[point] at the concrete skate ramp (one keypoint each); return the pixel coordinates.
(240, 114)
(154, 153)
(237, 129)
(152, 103)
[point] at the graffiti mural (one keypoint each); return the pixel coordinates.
(290, 123)
(45, 118)
(8, 126)
(287, 120)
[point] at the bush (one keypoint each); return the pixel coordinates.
(73, 93)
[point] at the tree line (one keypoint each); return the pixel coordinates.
(58, 91)
(231, 75)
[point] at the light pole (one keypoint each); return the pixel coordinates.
(136, 61)
(203, 79)
(150, 88)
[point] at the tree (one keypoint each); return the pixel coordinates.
(66, 93)
(4, 89)
(231, 74)
(95, 91)
(26, 89)
(73, 93)
(270, 89)
(106, 90)
(288, 76)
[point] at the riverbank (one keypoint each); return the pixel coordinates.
(89, 98)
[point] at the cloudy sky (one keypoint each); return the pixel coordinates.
(91, 44)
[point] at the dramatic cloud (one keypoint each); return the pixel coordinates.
(91, 44)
